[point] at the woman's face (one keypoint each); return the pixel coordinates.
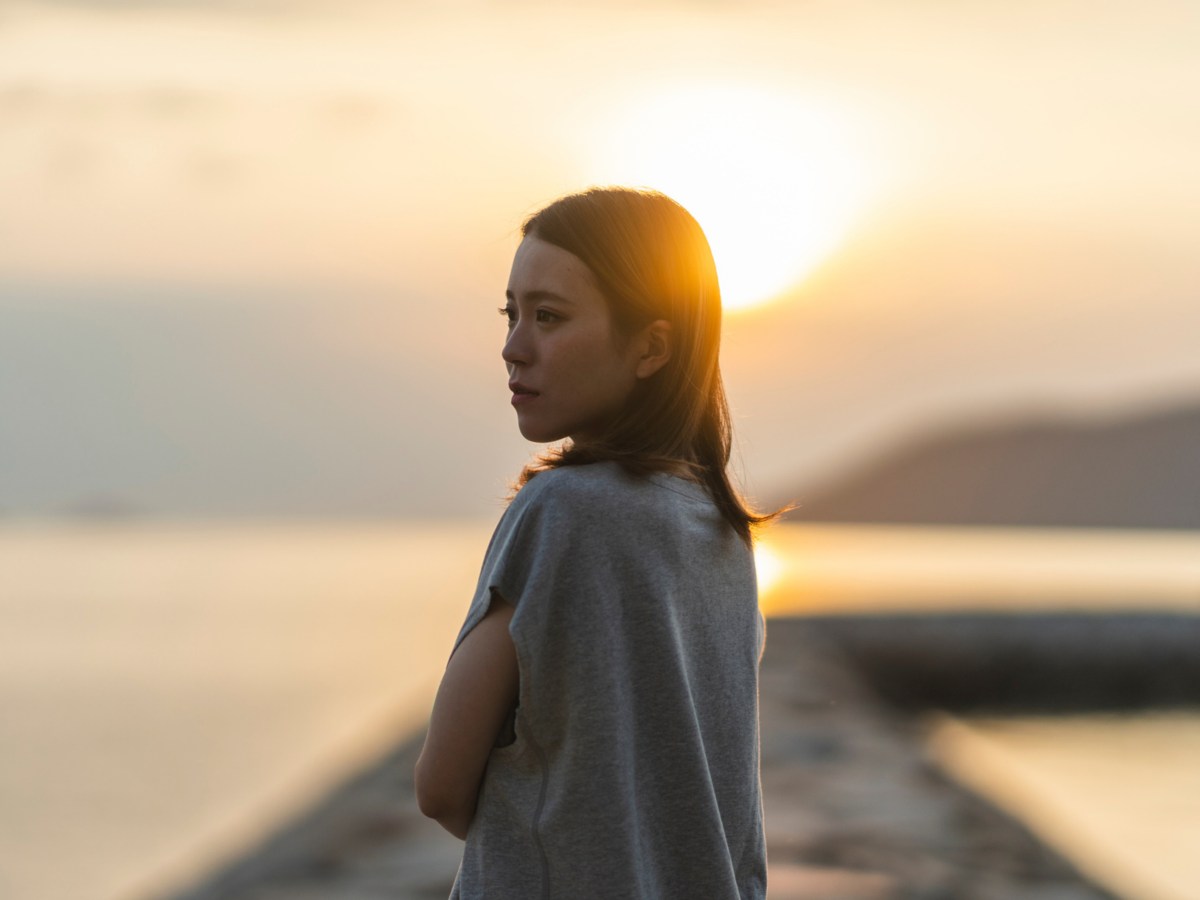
(569, 371)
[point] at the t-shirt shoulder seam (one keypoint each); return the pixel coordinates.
(572, 483)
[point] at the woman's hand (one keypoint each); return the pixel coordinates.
(476, 697)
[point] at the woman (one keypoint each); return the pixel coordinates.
(596, 731)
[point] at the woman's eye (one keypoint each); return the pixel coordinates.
(544, 315)
(509, 313)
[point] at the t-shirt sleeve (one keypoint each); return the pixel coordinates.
(553, 557)
(530, 544)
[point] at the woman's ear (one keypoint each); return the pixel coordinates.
(655, 348)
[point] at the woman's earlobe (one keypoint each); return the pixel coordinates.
(656, 351)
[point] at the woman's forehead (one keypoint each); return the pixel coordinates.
(540, 267)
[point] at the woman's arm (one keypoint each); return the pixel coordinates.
(477, 694)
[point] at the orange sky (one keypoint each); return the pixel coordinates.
(1010, 217)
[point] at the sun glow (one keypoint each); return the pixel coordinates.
(772, 179)
(769, 567)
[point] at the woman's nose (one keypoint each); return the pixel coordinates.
(516, 346)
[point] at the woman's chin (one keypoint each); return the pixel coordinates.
(536, 435)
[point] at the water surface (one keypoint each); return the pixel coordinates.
(170, 692)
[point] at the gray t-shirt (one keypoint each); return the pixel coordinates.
(635, 768)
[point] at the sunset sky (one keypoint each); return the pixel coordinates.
(250, 252)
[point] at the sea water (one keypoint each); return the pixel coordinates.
(168, 693)
(1118, 795)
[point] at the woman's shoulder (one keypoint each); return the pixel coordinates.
(606, 490)
(575, 486)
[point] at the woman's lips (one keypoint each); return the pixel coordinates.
(522, 395)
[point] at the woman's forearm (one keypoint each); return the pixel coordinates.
(475, 699)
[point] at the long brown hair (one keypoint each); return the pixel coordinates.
(651, 261)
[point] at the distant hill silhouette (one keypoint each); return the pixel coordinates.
(1138, 472)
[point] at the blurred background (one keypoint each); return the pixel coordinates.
(254, 426)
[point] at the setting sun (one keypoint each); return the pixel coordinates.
(775, 182)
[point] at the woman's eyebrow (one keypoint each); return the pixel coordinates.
(535, 296)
